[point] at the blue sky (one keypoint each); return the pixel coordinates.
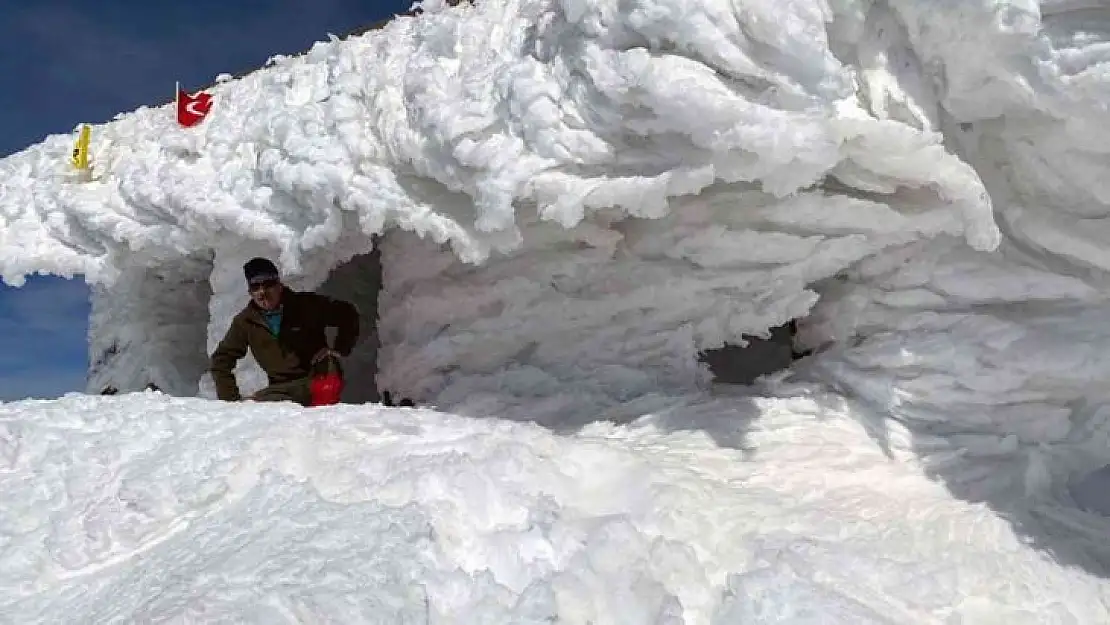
(63, 62)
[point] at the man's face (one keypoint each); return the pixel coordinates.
(266, 294)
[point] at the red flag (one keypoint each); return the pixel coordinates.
(192, 109)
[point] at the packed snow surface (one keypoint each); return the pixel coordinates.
(144, 508)
(571, 200)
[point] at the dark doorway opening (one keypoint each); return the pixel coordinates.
(744, 364)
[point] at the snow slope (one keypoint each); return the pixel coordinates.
(574, 200)
(250, 514)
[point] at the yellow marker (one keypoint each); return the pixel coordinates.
(81, 149)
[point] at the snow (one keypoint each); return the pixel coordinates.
(571, 201)
(196, 512)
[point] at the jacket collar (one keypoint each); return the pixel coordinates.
(256, 314)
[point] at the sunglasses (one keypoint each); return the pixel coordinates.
(258, 286)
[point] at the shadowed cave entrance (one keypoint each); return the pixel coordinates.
(740, 364)
(359, 281)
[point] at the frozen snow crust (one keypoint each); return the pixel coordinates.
(575, 198)
(145, 508)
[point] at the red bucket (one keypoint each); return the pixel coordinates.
(326, 385)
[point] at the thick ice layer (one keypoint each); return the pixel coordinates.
(143, 329)
(618, 310)
(147, 508)
(573, 107)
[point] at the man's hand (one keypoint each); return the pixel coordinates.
(324, 353)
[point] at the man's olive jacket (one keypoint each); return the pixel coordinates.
(288, 355)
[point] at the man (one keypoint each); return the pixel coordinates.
(284, 330)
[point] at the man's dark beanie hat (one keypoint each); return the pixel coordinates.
(260, 269)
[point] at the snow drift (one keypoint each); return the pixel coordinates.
(202, 512)
(575, 199)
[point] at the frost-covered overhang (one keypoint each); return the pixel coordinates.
(492, 108)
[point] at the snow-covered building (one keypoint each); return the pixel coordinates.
(555, 208)
(600, 231)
